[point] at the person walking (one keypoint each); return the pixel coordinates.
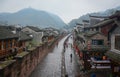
(71, 55)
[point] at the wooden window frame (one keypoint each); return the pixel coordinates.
(117, 42)
(95, 41)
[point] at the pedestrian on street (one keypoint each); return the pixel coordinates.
(64, 46)
(71, 55)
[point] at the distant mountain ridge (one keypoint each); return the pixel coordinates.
(30, 16)
(108, 12)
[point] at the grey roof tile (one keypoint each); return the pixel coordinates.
(6, 33)
(34, 28)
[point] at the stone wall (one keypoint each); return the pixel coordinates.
(25, 62)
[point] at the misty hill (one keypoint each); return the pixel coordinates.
(108, 12)
(30, 16)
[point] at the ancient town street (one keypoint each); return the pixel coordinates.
(44, 39)
(51, 64)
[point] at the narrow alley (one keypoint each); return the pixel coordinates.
(70, 61)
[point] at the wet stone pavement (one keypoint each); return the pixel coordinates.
(50, 66)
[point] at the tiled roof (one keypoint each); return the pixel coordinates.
(34, 28)
(90, 33)
(50, 31)
(50, 28)
(102, 23)
(117, 22)
(96, 49)
(87, 21)
(98, 16)
(23, 36)
(46, 33)
(116, 14)
(6, 34)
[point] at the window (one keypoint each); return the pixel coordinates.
(97, 42)
(117, 42)
(6, 44)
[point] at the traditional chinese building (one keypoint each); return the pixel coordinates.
(36, 33)
(24, 41)
(8, 43)
(91, 47)
(114, 53)
(96, 19)
(50, 34)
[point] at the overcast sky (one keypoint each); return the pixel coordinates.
(65, 9)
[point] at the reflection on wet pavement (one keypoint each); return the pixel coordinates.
(71, 63)
(51, 64)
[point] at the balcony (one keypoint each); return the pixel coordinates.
(100, 64)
